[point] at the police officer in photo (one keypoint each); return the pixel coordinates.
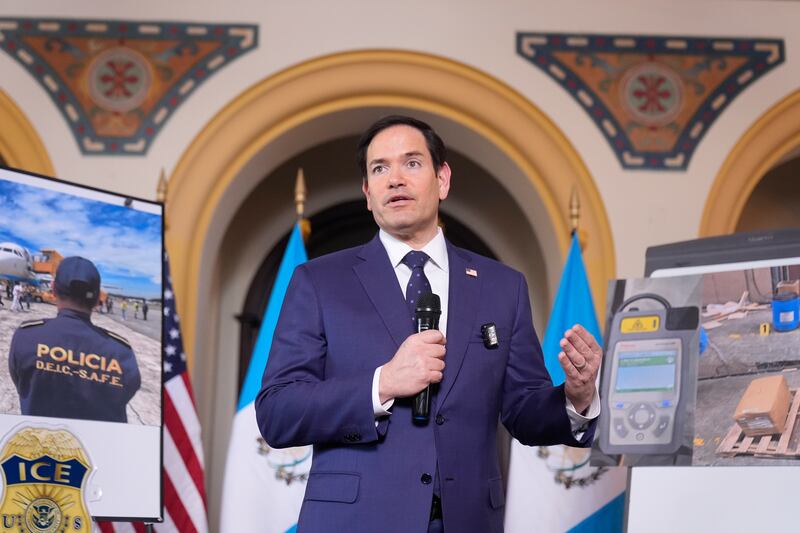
(66, 366)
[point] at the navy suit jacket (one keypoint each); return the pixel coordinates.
(343, 316)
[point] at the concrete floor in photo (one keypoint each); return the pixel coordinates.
(737, 354)
(144, 337)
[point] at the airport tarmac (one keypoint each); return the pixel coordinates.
(144, 337)
(150, 327)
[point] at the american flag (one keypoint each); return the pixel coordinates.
(184, 488)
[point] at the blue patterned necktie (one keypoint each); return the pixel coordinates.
(418, 284)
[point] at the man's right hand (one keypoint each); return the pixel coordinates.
(417, 363)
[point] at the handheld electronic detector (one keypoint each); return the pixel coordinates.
(643, 376)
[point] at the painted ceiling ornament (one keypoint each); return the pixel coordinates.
(653, 98)
(119, 79)
(118, 82)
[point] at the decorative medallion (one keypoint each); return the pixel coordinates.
(119, 79)
(652, 94)
(118, 82)
(653, 98)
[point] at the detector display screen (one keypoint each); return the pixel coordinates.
(646, 371)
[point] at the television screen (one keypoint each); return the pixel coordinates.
(763, 264)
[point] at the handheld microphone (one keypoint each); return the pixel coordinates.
(426, 315)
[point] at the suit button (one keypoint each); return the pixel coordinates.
(426, 479)
(439, 419)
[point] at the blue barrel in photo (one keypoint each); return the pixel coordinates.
(785, 311)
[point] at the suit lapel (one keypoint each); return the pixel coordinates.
(462, 308)
(380, 282)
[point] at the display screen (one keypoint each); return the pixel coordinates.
(81, 324)
(646, 371)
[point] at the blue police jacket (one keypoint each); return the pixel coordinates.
(67, 367)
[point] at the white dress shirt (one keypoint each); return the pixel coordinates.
(437, 272)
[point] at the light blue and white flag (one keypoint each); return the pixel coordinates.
(263, 487)
(553, 489)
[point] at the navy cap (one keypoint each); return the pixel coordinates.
(78, 277)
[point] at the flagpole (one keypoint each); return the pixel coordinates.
(161, 193)
(161, 188)
(575, 218)
(193, 508)
(258, 474)
(574, 210)
(300, 194)
(571, 469)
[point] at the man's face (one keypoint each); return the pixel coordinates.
(402, 188)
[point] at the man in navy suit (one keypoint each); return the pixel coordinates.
(346, 362)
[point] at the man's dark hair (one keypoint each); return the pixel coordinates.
(435, 144)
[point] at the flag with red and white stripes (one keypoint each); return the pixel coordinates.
(183, 473)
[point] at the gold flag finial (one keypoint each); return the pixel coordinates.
(161, 190)
(300, 203)
(300, 193)
(574, 210)
(161, 194)
(575, 218)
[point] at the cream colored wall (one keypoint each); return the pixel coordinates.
(644, 208)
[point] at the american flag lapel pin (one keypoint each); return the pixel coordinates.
(472, 272)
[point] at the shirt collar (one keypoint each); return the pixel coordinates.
(397, 249)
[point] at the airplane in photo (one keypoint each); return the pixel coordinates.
(16, 263)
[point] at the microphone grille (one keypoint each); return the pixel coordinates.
(429, 302)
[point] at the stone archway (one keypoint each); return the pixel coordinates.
(206, 181)
(20, 145)
(771, 137)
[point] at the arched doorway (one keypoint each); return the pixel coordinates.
(758, 181)
(229, 198)
(345, 222)
(775, 201)
(220, 167)
(20, 145)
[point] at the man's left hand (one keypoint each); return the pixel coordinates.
(580, 358)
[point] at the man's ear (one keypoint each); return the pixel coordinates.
(365, 190)
(444, 180)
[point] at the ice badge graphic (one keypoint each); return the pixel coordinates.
(44, 471)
